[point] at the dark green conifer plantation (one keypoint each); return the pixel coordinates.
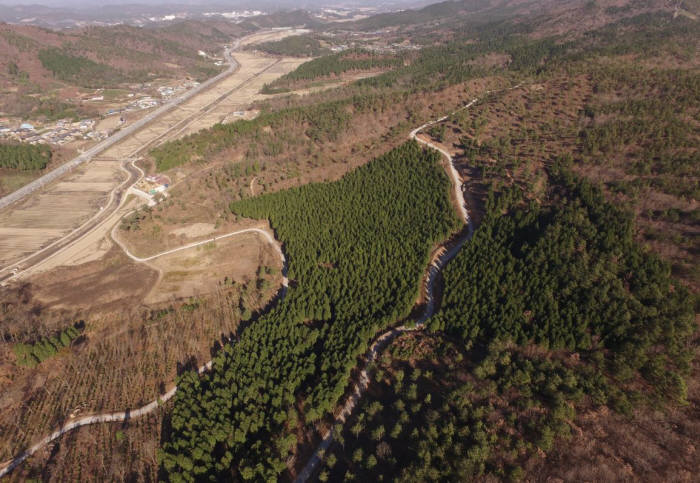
(570, 275)
(357, 249)
(24, 157)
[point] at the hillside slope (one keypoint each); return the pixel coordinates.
(35, 63)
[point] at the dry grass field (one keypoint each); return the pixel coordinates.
(261, 70)
(129, 352)
(11, 179)
(38, 220)
(271, 36)
(201, 270)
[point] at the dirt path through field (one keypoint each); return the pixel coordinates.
(153, 405)
(341, 414)
(65, 210)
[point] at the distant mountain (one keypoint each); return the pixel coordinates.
(550, 16)
(73, 12)
(38, 64)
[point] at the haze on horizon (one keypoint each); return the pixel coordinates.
(78, 4)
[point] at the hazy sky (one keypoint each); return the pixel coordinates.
(234, 3)
(93, 4)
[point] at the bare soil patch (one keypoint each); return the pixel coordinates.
(112, 283)
(201, 270)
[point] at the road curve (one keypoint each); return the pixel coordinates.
(259, 231)
(97, 418)
(153, 405)
(51, 176)
(439, 261)
(375, 349)
(358, 388)
(47, 253)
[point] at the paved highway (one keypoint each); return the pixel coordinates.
(115, 138)
(115, 201)
(116, 196)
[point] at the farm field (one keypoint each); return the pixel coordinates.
(257, 70)
(200, 271)
(62, 207)
(36, 221)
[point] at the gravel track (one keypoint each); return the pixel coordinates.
(438, 262)
(359, 387)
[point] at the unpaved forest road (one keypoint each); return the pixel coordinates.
(441, 258)
(265, 234)
(153, 405)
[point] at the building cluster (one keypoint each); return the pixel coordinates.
(236, 15)
(391, 48)
(154, 184)
(144, 101)
(167, 92)
(375, 41)
(64, 131)
(344, 14)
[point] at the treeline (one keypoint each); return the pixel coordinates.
(440, 66)
(571, 276)
(132, 221)
(357, 249)
(536, 284)
(318, 122)
(432, 13)
(430, 69)
(294, 46)
(77, 69)
(32, 354)
(25, 157)
(336, 64)
(654, 132)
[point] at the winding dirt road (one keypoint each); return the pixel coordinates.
(438, 262)
(259, 231)
(440, 259)
(153, 405)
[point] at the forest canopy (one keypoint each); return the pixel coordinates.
(570, 275)
(357, 249)
(24, 157)
(551, 309)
